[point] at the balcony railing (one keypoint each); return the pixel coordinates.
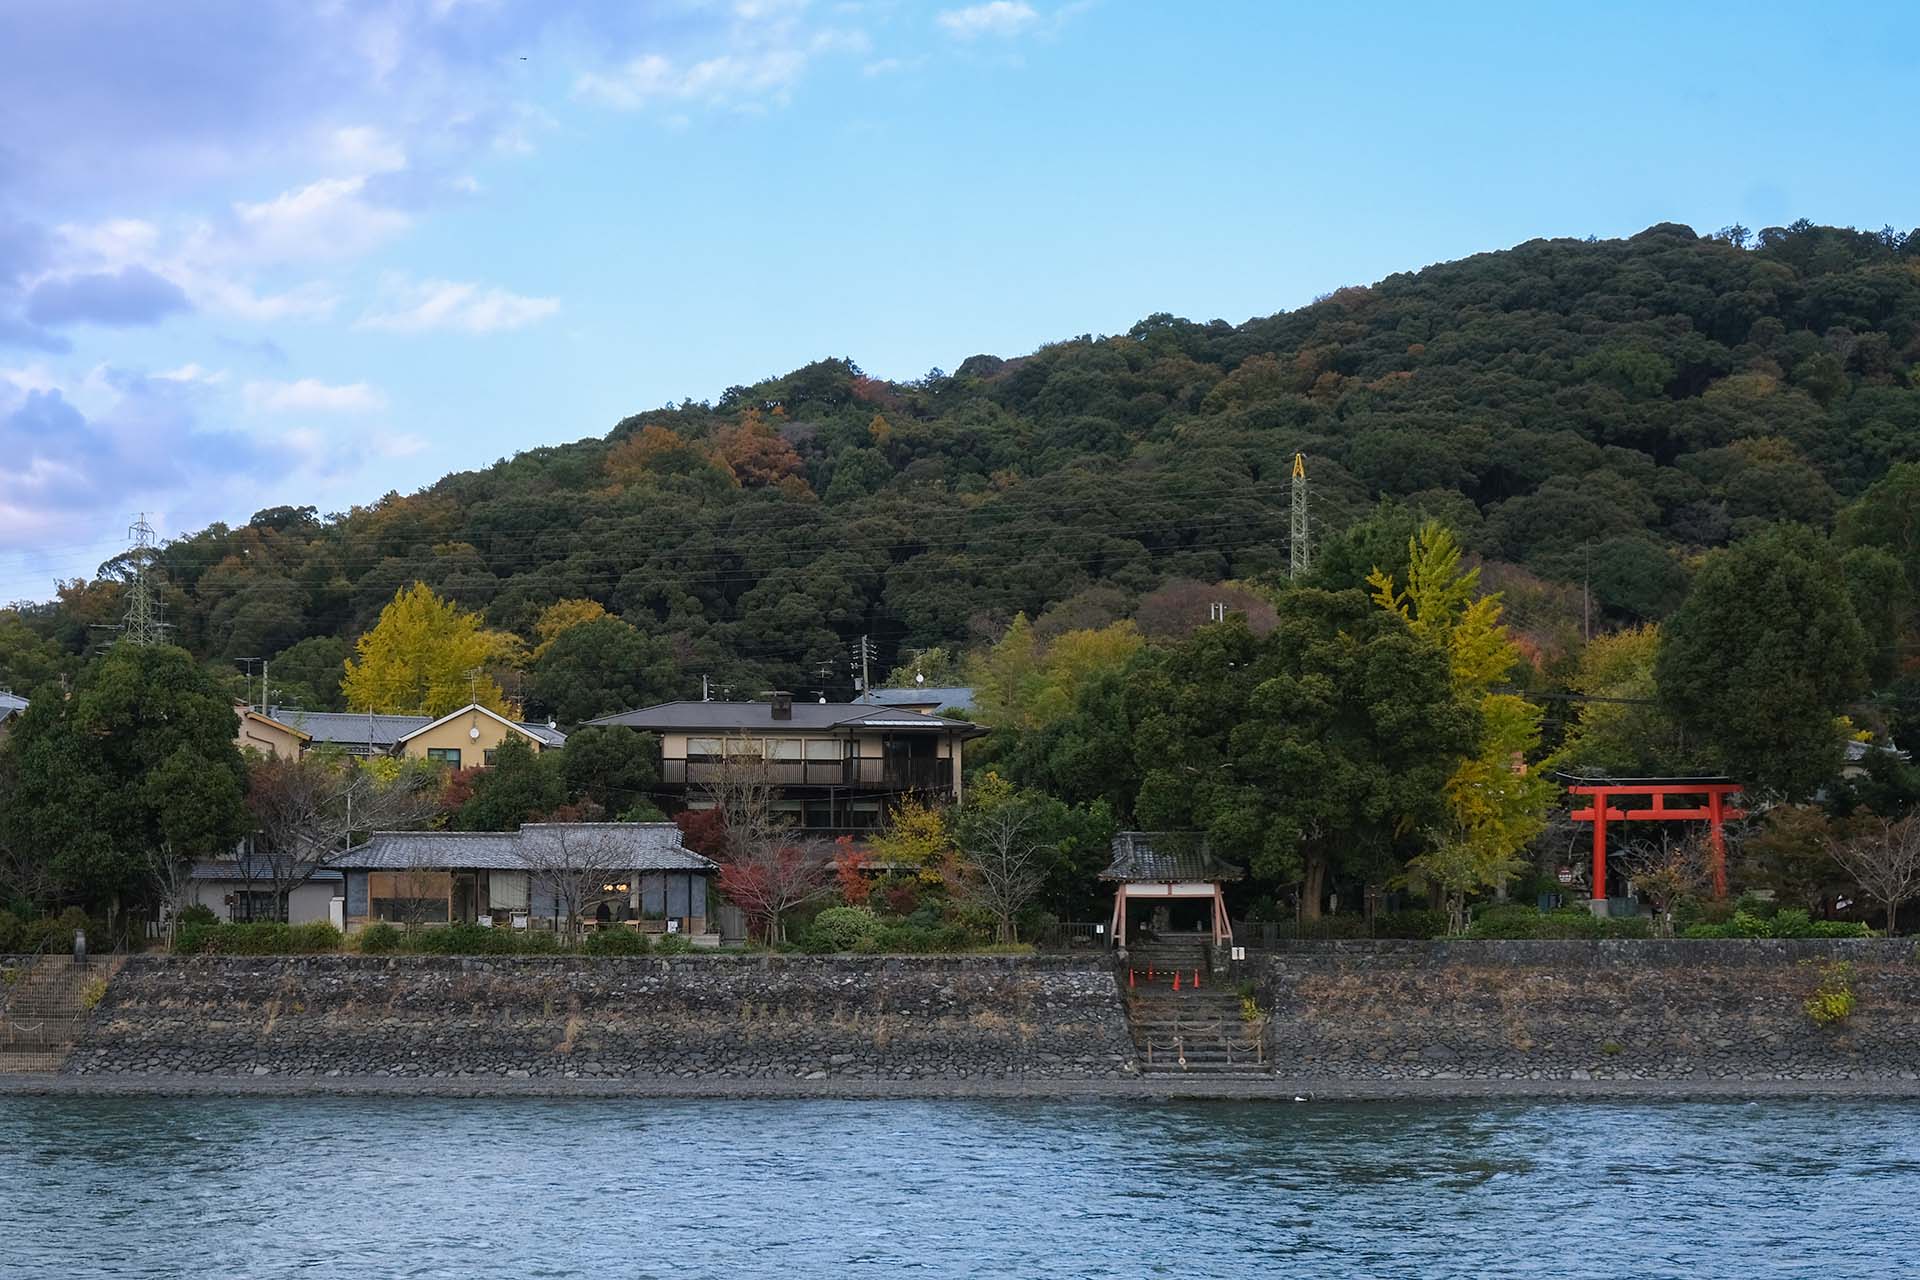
(869, 773)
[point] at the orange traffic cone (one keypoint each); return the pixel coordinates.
(1176, 979)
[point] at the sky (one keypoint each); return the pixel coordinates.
(260, 253)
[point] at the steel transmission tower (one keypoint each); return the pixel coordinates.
(1301, 547)
(141, 624)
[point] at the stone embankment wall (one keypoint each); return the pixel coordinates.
(717, 1017)
(1628, 1010)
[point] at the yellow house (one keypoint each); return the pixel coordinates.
(467, 737)
(269, 737)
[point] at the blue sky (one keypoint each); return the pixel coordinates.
(256, 253)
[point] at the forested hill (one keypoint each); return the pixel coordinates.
(1570, 407)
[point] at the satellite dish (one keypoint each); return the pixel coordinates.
(918, 678)
(474, 732)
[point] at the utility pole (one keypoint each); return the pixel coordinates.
(1300, 549)
(864, 651)
(246, 665)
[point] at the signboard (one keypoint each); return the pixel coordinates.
(1239, 953)
(1099, 929)
(519, 922)
(485, 922)
(673, 926)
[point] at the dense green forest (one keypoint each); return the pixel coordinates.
(1578, 412)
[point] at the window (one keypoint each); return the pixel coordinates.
(703, 748)
(444, 755)
(248, 905)
(487, 756)
(784, 749)
(410, 897)
(829, 749)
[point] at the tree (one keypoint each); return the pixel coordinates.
(307, 810)
(573, 864)
(1763, 657)
(611, 766)
(521, 785)
(916, 839)
(307, 674)
(1622, 730)
(140, 758)
(1885, 862)
(1316, 750)
(599, 667)
(1496, 802)
(562, 616)
(764, 869)
(1666, 871)
(1001, 859)
(935, 666)
(1790, 854)
(426, 656)
(1888, 516)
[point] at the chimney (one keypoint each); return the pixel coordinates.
(782, 705)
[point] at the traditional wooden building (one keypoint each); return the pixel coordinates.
(617, 874)
(1168, 884)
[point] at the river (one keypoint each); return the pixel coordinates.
(364, 1189)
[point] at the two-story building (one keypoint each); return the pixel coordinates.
(838, 765)
(459, 739)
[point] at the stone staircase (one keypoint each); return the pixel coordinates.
(42, 1012)
(1195, 1030)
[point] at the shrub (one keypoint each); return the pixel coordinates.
(616, 942)
(1832, 999)
(1791, 923)
(673, 944)
(264, 938)
(841, 929)
(1418, 923)
(1515, 921)
(464, 940)
(318, 936)
(377, 939)
(198, 913)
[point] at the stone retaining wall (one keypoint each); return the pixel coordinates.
(1625, 1010)
(527, 1017)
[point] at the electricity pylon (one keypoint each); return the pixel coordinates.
(1301, 557)
(142, 624)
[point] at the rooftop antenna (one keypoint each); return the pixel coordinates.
(1301, 551)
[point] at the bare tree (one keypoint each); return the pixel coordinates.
(173, 880)
(1884, 862)
(417, 889)
(574, 863)
(765, 870)
(1002, 861)
(1666, 871)
(305, 811)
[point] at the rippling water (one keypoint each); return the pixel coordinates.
(387, 1187)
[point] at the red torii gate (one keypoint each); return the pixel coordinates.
(1712, 807)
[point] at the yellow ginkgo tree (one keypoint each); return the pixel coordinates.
(1495, 802)
(426, 656)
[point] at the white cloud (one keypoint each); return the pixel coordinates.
(363, 150)
(309, 395)
(431, 305)
(997, 18)
(764, 54)
(324, 219)
(194, 374)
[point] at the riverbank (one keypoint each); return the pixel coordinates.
(1153, 1089)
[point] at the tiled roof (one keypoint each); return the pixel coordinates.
(235, 871)
(939, 697)
(11, 704)
(644, 846)
(817, 717)
(380, 731)
(1164, 856)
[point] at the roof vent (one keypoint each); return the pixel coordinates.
(782, 705)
